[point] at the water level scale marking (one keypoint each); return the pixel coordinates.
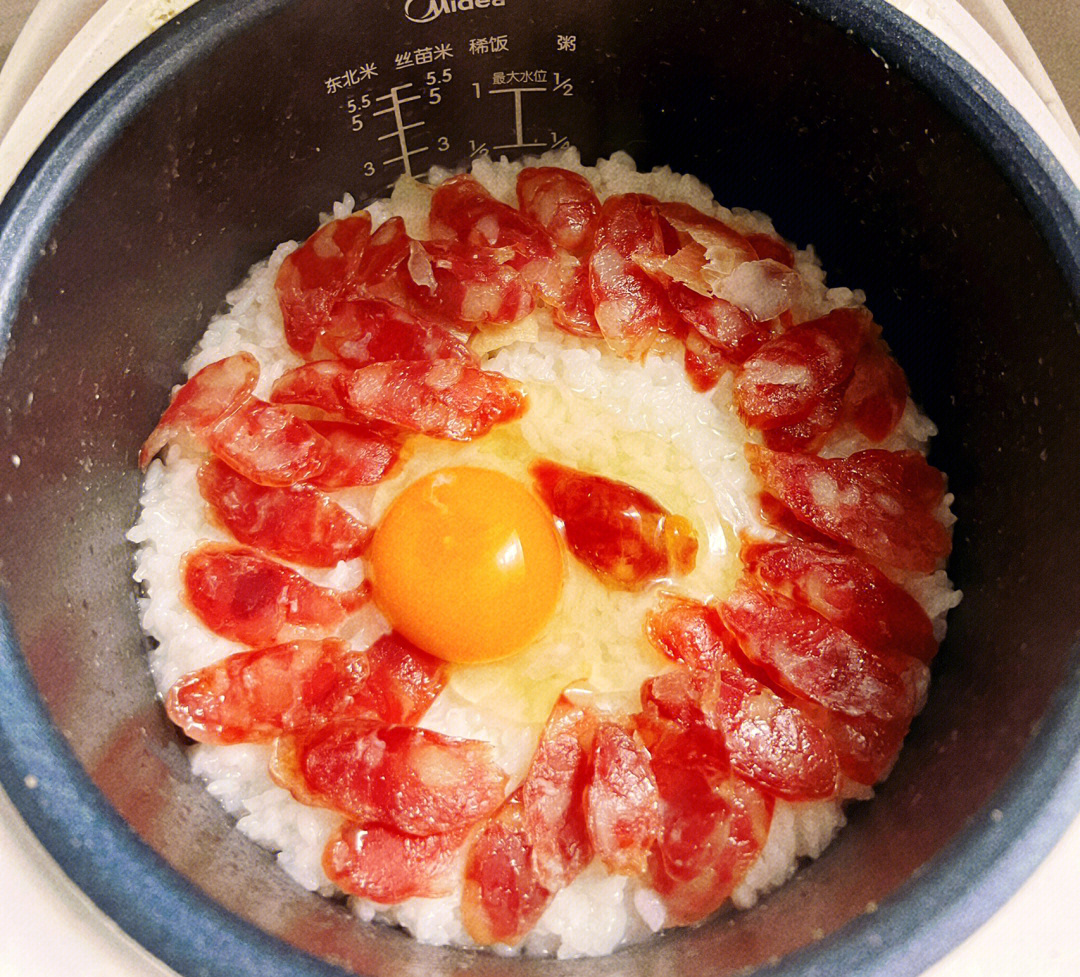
(400, 126)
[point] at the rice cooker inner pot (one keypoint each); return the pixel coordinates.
(238, 124)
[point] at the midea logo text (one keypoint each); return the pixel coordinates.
(423, 11)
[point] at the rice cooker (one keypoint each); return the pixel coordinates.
(112, 858)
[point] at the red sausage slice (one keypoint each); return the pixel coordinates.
(844, 589)
(631, 308)
(455, 284)
(313, 385)
(710, 841)
(268, 444)
(387, 866)
(866, 747)
(792, 373)
(724, 326)
(359, 454)
(774, 513)
(404, 681)
(704, 363)
(213, 392)
(572, 310)
(770, 742)
(622, 805)
(784, 743)
(243, 596)
(552, 796)
(297, 523)
(811, 433)
(314, 276)
(384, 273)
(880, 502)
(875, 399)
(403, 777)
(444, 398)
(671, 722)
(355, 454)
(691, 633)
(365, 331)
(255, 696)
(474, 286)
(461, 208)
(623, 535)
(563, 203)
(502, 897)
(803, 653)
(388, 251)
(714, 824)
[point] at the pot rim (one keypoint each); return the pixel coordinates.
(926, 917)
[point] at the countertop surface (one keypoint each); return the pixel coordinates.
(1032, 934)
(13, 14)
(1053, 27)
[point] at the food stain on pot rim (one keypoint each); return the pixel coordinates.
(710, 460)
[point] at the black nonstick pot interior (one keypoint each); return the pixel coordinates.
(236, 124)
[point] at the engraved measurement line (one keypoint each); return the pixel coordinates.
(404, 158)
(518, 132)
(394, 135)
(400, 128)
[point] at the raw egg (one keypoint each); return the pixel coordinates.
(467, 564)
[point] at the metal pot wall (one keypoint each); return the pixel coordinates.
(231, 128)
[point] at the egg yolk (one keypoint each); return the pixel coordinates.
(467, 564)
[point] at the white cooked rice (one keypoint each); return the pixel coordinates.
(597, 912)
